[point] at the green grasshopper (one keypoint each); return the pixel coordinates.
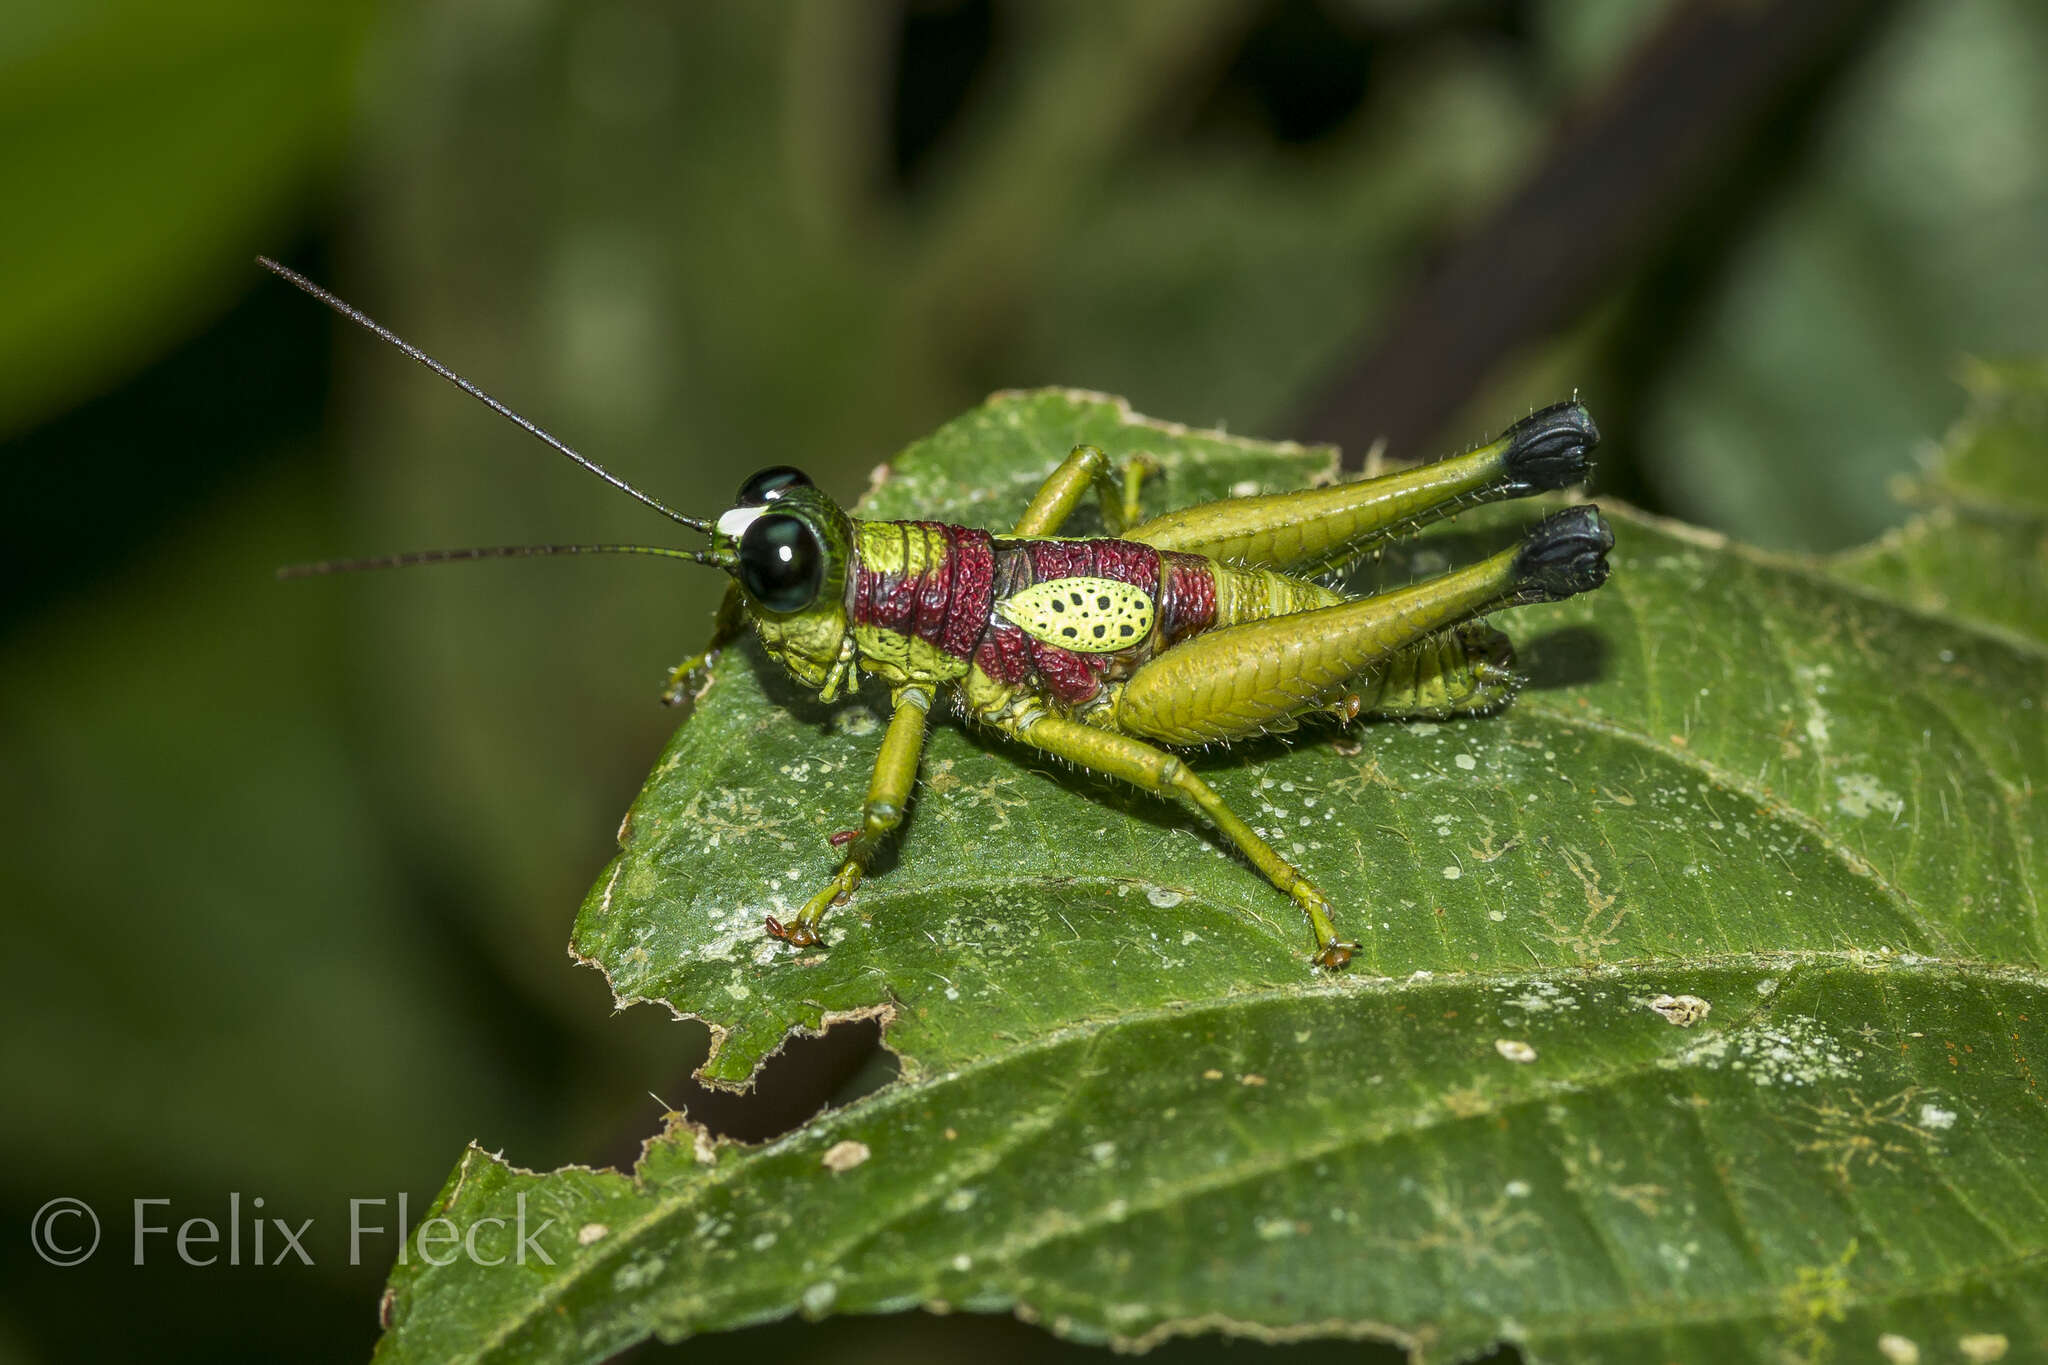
(1205, 625)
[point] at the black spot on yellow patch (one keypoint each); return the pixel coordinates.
(1092, 615)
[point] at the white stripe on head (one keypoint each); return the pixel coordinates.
(734, 524)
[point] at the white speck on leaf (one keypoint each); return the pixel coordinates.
(844, 1156)
(1898, 1350)
(1515, 1050)
(1797, 1050)
(1541, 997)
(634, 1274)
(1677, 1258)
(1934, 1118)
(1683, 1011)
(1860, 795)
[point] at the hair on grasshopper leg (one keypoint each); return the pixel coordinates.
(1111, 655)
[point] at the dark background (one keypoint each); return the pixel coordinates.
(289, 868)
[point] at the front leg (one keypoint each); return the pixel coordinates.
(888, 796)
(726, 627)
(1087, 467)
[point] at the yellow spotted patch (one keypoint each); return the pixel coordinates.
(1092, 615)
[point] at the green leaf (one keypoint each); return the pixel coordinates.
(1980, 550)
(1700, 1013)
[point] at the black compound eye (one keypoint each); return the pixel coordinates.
(782, 563)
(770, 484)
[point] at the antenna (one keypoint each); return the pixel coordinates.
(407, 560)
(356, 315)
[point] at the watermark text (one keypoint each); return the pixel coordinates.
(244, 1232)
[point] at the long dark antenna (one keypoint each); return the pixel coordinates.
(356, 315)
(413, 557)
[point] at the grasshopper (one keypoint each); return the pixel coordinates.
(1205, 625)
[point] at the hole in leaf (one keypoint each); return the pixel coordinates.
(809, 1075)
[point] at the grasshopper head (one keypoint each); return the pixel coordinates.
(788, 547)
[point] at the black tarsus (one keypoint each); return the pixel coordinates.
(1551, 448)
(1565, 554)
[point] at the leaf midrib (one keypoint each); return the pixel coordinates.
(1784, 963)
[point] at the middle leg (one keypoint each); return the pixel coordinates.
(1064, 489)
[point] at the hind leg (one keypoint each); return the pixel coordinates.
(1244, 679)
(1309, 531)
(1467, 670)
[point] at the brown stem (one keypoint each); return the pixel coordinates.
(1619, 176)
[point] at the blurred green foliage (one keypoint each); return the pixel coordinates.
(290, 868)
(1827, 357)
(147, 148)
